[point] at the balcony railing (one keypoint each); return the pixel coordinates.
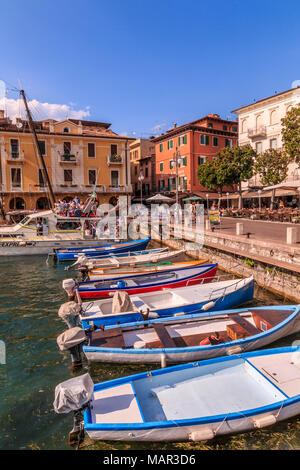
(114, 159)
(260, 131)
(88, 188)
(15, 157)
(67, 158)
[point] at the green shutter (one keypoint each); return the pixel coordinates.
(207, 140)
(178, 140)
(168, 144)
(184, 139)
(161, 147)
(161, 166)
(184, 161)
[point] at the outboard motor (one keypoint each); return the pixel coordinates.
(69, 286)
(84, 271)
(72, 340)
(69, 312)
(74, 395)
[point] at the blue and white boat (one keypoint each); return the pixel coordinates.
(198, 401)
(192, 337)
(189, 402)
(206, 297)
(69, 254)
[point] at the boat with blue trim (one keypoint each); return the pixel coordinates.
(69, 254)
(189, 402)
(192, 337)
(219, 294)
(149, 282)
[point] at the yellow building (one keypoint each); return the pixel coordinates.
(79, 156)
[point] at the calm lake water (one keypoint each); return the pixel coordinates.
(30, 295)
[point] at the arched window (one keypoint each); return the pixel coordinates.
(17, 203)
(259, 121)
(42, 203)
(244, 125)
(66, 130)
(274, 116)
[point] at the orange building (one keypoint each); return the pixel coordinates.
(142, 164)
(80, 156)
(195, 142)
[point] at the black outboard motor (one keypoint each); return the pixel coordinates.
(72, 340)
(84, 271)
(74, 395)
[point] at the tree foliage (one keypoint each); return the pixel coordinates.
(272, 167)
(291, 134)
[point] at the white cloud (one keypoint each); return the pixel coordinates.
(15, 108)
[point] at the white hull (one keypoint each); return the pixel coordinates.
(199, 432)
(40, 247)
(149, 357)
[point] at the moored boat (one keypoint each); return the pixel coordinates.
(69, 254)
(189, 402)
(134, 258)
(123, 272)
(205, 297)
(150, 282)
(192, 337)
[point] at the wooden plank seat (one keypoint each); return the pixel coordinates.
(250, 330)
(189, 340)
(165, 338)
(112, 338)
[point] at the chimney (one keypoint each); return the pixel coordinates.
(175, 124)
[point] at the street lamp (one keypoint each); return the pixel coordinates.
(227, 194)
(259, 200)
(207, 202)
(177, 162)
(141, 179)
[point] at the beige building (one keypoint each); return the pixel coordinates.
(260, 126)
(79, 156)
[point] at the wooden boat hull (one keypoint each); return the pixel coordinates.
(203, 272)
(242, 291)
(198, 401)
(70, 254)
(195, 353)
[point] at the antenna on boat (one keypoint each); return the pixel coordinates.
(32, 129)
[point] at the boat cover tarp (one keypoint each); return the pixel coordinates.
(69, 308)
(121, 302)
(70, 338)
(73, 394)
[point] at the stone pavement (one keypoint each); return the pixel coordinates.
(258, 229)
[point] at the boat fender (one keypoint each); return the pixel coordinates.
(208, 306)
(163, 361)
(234, 350)
(153, 315)
(121, 284)
(201, 435)
(264, 421)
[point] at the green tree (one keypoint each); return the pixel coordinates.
(272, 167)
(236, 165)
(291, 134)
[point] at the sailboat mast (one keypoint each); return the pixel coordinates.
(32, 129)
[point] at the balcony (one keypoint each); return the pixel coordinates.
(15, 157)
(114, 160)
(260, 131)
(68, 158)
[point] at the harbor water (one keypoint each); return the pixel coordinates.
(30, 296)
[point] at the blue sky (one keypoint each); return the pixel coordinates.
(140, 64)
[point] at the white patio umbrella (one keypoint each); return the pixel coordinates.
(159, 198)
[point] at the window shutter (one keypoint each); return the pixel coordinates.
(207, 140)
(184, 139)
(184, 161)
